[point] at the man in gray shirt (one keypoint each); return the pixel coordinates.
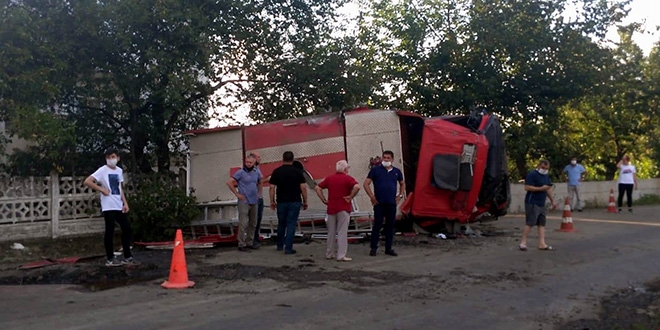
(248, 181)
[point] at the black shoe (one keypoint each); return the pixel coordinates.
(630, 210)
(619, 211)
(290, 252)
(243, 249)
(373, 252)
(391, 253)
(256, 245)
(253, 247)
(579, 210)
(280, 249)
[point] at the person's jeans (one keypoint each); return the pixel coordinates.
(382, 212)
(574, 191)
(110, 218)
(260, 215)
(287, 219)
(247, 218)
(625, 188)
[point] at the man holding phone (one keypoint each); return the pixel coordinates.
(538, 187)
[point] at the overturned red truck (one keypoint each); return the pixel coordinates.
(454, 167)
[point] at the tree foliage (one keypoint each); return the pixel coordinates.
(137, 75)
(79, 76)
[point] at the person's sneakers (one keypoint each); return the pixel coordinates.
(290, 252)
(345, 259)
(279, 248)
(130, 261)
(243, 249)
(253, 247)
(113, 263)
(256, 245)
(391, 253)
(579, 210)
(619, 211)
(373, 252)
(630, 210)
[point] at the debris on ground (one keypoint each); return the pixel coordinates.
(17, 246)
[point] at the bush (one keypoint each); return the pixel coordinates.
(158, 206)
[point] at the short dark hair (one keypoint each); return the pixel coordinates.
(110, 151)
(544, 162)
(287, 156)
(388, 152)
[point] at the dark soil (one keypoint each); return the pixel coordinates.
(634, 308)
(93, 274)
(35, 249)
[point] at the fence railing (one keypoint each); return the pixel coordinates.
(52, 206)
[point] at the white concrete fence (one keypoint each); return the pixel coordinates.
(594, 194)
(38, 207)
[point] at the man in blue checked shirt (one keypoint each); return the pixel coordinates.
(574, 174)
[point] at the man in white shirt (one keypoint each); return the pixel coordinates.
(627, 181)
(108, 180)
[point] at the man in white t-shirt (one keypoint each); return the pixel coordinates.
(627, 181)
(108, 180)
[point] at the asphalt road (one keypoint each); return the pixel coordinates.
(479, 283)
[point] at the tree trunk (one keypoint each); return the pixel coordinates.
(161, 138)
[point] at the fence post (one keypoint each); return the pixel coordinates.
(55, 203)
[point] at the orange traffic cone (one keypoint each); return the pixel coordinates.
(178, 270)
(566, 218)
(611, 207)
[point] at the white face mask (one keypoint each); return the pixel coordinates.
(387, 164)
(111, 162)
(543, 171)
(573, 162)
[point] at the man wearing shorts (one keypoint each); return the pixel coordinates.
(537, 185)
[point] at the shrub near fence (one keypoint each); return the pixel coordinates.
(53, 206)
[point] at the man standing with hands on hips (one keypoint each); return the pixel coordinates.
(574, 174)
(385, 178)
(248, 181)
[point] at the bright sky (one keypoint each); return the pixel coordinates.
(643, 11)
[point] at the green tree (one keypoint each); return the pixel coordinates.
(137, 75)
(520, 59)
(616, 116)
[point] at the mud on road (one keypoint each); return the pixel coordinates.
(92, 275)
(224, 270)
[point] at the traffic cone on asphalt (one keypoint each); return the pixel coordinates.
(611, 207)
(178, 269)
(566, 218)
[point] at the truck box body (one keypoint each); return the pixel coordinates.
(454, 167)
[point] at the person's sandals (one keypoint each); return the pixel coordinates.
(522, 247)
(547, 248)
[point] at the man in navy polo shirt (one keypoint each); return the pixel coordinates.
(385, 178)
(538, 186)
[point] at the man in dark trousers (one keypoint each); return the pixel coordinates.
(289, 183)
(385, 178)
(108, 180)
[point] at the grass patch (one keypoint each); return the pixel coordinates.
(648, 199)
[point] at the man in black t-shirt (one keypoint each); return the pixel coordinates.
(290, 185)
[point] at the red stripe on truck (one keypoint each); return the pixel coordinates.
(291, 131)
